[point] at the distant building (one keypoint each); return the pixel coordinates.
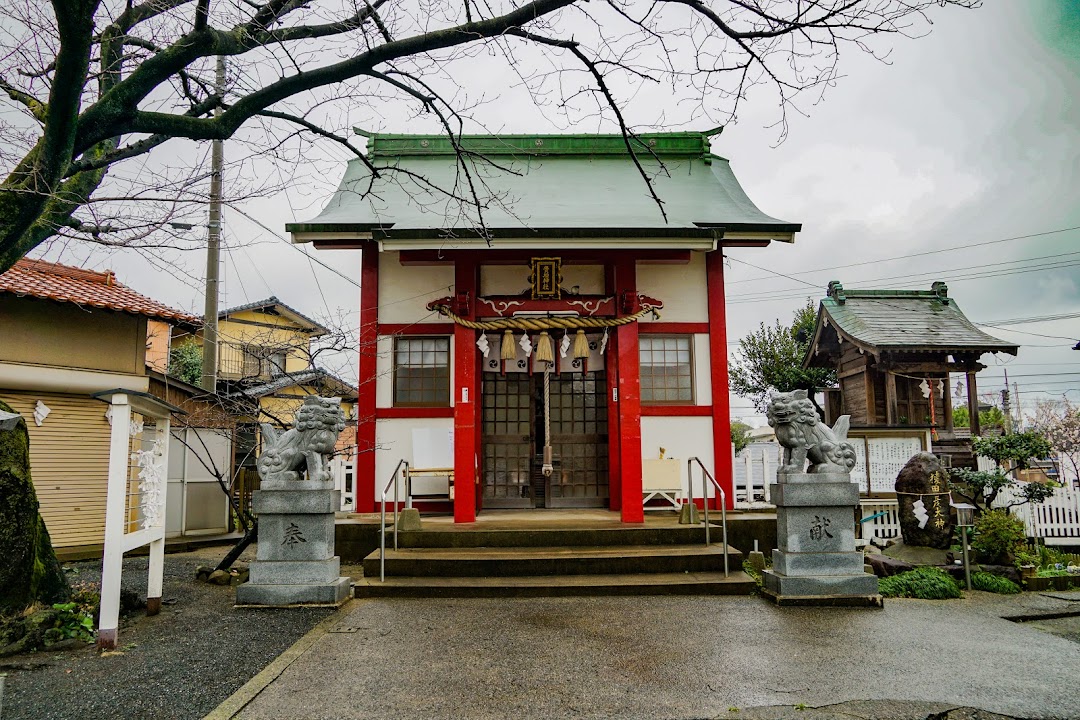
(66, 333)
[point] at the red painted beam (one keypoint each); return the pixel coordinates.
(408, 413)
(416, 328)
(368, 375)
(521, 257)
(673, 328)
(676, 410)
(629, 402)
(718, 362)
(584, 305)
(466, 391)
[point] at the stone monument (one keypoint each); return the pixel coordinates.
(295, 562)
(922, 491)
(816, 562)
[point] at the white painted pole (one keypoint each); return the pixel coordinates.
(156, 570)
(766, 472)
(111, 564)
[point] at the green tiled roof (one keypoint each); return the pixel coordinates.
(904, 319)
(536, 185)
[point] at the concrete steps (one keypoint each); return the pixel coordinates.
(702, 583)
(451, 537)
(555, 560)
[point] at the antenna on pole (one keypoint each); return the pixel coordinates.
(213, 248)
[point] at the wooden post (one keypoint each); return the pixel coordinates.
(973, 404)
(718, 366)
(611, 363)
(466, 394)
(115, 522)
(156, 566)
(629, 400)
(890, 399)
(946, 402)
(364, 480)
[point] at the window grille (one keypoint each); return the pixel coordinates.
(667, 372)
(422, 372)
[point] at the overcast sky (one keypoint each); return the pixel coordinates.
(967, 136)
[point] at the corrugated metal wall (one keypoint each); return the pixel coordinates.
(69, 463)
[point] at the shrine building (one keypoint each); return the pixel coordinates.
(538, 323)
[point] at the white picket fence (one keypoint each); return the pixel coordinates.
(880, 518)
(755, 469)
(344, 473)
(1056, 521)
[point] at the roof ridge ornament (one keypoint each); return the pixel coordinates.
(836, 291)
(941, 290)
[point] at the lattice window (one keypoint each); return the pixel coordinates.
(422, 372)
(667, 370)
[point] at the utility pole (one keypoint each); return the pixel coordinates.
(213, 249)
(1007, 410)
(1019, 406)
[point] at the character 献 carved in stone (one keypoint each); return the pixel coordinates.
(319, 421)
(803, 436)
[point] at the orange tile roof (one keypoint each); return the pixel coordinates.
(63, 283)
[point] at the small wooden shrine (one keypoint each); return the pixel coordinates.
(895, 352)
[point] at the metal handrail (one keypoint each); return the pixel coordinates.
(382, 530)
(705, 502)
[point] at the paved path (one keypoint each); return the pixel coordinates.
(670, 657)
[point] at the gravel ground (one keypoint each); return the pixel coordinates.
(180, 664)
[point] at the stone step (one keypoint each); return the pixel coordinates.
(562, 560)
(700, 583)
(472, 537)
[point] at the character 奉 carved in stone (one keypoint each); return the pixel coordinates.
(318, 424)
(802, 436)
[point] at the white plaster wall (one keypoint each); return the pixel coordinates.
(681, 287)
(404, 292)
(702, 370)
(394, 441)
(384, 368)
(682, 438)
(513, 279)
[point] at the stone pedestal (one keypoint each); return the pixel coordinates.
(816, 562)
(295, 562)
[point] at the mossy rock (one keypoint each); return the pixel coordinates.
(29, 570)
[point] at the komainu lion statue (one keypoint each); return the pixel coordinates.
(319, 421)
(803, 437)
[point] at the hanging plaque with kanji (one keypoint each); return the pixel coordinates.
(546, 278)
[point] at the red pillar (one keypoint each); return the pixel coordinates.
(466, 395)
(629, 402)
(365, 410)
(718, 357)
(611, 364)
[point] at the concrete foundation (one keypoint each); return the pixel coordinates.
(815, 561)
(295, 562)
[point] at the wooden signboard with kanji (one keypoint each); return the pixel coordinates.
(546, 278)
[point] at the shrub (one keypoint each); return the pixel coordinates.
(998, 536)
(185, 361)
(926, 583)
(989, 582)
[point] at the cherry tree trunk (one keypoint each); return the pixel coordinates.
(29, 570)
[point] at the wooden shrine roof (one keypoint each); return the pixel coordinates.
(896, 320)
(538, 187)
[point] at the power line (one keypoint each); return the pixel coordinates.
(919, 254)
(1025, 332)
(1037, 318)
(898, 280)
(332, 269)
